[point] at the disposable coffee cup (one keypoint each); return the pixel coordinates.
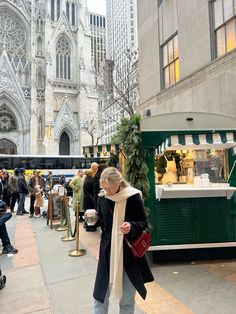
(91, 218)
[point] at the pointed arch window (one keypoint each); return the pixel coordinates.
(39, 46)
(52, 10)
(58, 9)
(7, 147)
(40, 129)
(64, 144)
(73, 14)
(40, 79)
(68, 10)
(63, 58)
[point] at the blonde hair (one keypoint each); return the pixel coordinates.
(112, 175)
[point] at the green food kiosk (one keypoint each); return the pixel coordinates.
(197, 207)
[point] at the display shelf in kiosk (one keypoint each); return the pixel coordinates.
(183, 214)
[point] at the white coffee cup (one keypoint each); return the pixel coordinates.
(91, 218)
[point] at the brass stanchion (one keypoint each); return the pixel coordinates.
(61, 228)
(67, 238)
(50, 211)
(77, 251)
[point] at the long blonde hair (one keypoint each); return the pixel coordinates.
(112, 175)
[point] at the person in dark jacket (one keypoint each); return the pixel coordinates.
(6, 197)
(23, 191)
(88, 188)
(6, 243)
(120, 213)
(62, 180)
(13, 185)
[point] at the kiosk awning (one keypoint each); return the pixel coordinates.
(220, 140)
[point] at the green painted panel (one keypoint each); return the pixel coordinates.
(197, 220)
(175, 221)
(214, 220)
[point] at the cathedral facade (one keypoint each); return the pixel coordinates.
(46, 81)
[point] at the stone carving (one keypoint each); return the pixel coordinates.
(12, 35)
(6, 82)
(7, 120)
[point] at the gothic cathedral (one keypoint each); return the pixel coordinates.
(46, 81)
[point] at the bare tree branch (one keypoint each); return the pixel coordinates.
(120, 91)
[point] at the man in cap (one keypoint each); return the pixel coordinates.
(13, 185)
(23, 191)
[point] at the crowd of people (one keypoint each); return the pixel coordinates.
(13, 191)
(14, 188)
(119, 212)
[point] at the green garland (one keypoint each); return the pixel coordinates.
(136, 171)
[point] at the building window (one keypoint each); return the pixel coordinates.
(63, 58)
(68, 10)
(13, 37)
(64, 144)
(58, 9)
(52, 10)
(73, 14)
(225, 26)
(170, 51)
(39, 46)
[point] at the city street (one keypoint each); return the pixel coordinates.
(42, 278)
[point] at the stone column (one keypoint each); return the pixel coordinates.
(49, 99)
(33, 121)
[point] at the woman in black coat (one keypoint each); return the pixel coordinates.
(134, 271)
(88, 188)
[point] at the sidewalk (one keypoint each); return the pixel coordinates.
(43, 279)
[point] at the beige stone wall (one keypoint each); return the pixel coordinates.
(148, 49)
(210, 89)
(205, 85)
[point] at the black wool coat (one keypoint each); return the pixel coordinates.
(88, 187)
(137, 269)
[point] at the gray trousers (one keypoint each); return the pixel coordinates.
(127, 301)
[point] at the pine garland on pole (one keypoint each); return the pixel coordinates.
(136, 171)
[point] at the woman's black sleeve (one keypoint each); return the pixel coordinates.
(135, 215)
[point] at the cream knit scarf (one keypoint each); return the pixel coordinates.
(116, 261)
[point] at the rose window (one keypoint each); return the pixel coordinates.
(12, 35)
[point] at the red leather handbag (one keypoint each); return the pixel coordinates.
(140, 246)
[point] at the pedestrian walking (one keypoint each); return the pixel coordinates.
(62, 180)
(49, 181)
(6, 243)
(23, 191)
(13, 185)
(6, 195)
(36, 179)
(38, 203)
(120, 213)
(76, 186)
